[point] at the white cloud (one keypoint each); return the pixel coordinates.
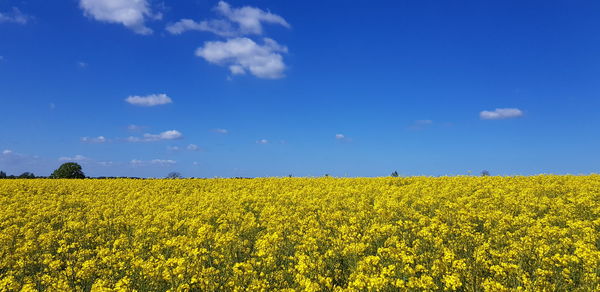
(221, 131)
(78, 158)
(82, 64)
(166, 135)
(218, 27)
(243, 54)
(149, 100)
(250, 19)
(192, 147)
(96, 140)
(262, 141)
(163, 161)
(15, 16)
(130, 13)
(159, 162)
(501, 113)
(1, 58)
(7, 152)
(237, 21)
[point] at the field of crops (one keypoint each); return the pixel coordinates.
(312, 234)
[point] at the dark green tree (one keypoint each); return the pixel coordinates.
(68, 170)
(2, 174)
(27, 175)
(485, 173)
(174, 175)
(395, 174)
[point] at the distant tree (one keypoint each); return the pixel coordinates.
(485, 173)
(68, 170)
(395, 174)
(2, 174)
(27, 175)
(173, 175)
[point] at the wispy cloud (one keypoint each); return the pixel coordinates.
(501, 113)
(94, 140)
(158, 162)
(342, 138)
(234, 22)
(242, 55)
(173, 148)
(149, 100)
(130, 13)
(166, 135)
(14, 16)
(135, 128)
(76, 158)
(192, 147)
(220, 131)
(262, 141)
(11, 158)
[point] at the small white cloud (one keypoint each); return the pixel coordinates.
(82, 64)
(192, 147)
(1, 58)
(501, 113)
(96, 140)
(52, 106)
(106, 163)
(250, 19)
(159, 162)
(237, 21)
(130, 13)
(195, 163)
(163, 161)
(243, 55)
(78, 158)
(7, 152)
(15, 16)
(166, 135)
(149, 100)
(262, 141)
(221, 131)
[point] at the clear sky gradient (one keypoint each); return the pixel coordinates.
(307, 88)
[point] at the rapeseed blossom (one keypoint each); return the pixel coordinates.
(307, 234)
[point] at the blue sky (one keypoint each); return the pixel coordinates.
(272, 88)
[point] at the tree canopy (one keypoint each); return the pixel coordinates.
(68, 170)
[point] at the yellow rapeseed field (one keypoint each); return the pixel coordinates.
(539, 233)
